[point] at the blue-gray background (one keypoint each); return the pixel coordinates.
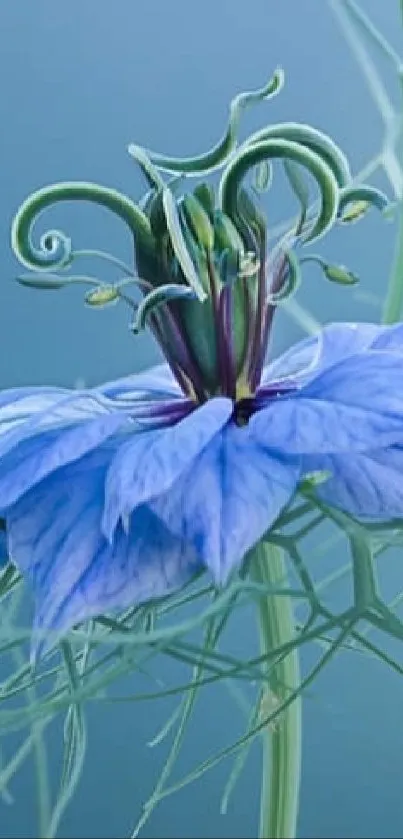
(80, 80)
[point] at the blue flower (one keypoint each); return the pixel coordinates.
(119, 494)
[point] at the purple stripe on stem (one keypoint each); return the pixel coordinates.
(268, 314)
(258, 327)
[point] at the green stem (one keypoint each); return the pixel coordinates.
(282, 744)
(393, 306)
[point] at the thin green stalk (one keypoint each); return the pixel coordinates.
(281, 743)
(393, 307)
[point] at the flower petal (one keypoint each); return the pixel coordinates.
(228, 499)
(369, 486)
(37, 457)
(389, 338)
(25, 412)
(55, 537)
(14, 394)
(37, 411)
(293, 362)
(311, 356)
(355, 405)
(155, 383)
(149, 463)
(3, 547)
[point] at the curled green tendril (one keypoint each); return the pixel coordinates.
(148, 169)
(359, 194)
(159, 297)
(55, 248)
(291, 282)
(263, 177)
(312, 139)
(300, 189)
(251, 155)
(216, 156)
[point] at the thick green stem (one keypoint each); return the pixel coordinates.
(282, 741)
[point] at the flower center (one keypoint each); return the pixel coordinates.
(209, 305)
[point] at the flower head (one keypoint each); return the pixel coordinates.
(120, 494)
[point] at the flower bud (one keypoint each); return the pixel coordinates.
(103, 295)
(354, 211)
(340, 274)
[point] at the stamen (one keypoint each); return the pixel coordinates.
(226, 350)
(217, 302)
(258, 338)
(177, 353)
(268, 314)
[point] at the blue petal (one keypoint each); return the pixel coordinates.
(368, 486)
(228, 499)
(3, 548)
(14, 394)
(389, 338)
(43, 428)
(149, 463)
(35, 458)
(29, 411)
(20, 405)
(354, 405)
(155, 383)
(55, 537)
(293, 363)
(38, 411)
(333, 344)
